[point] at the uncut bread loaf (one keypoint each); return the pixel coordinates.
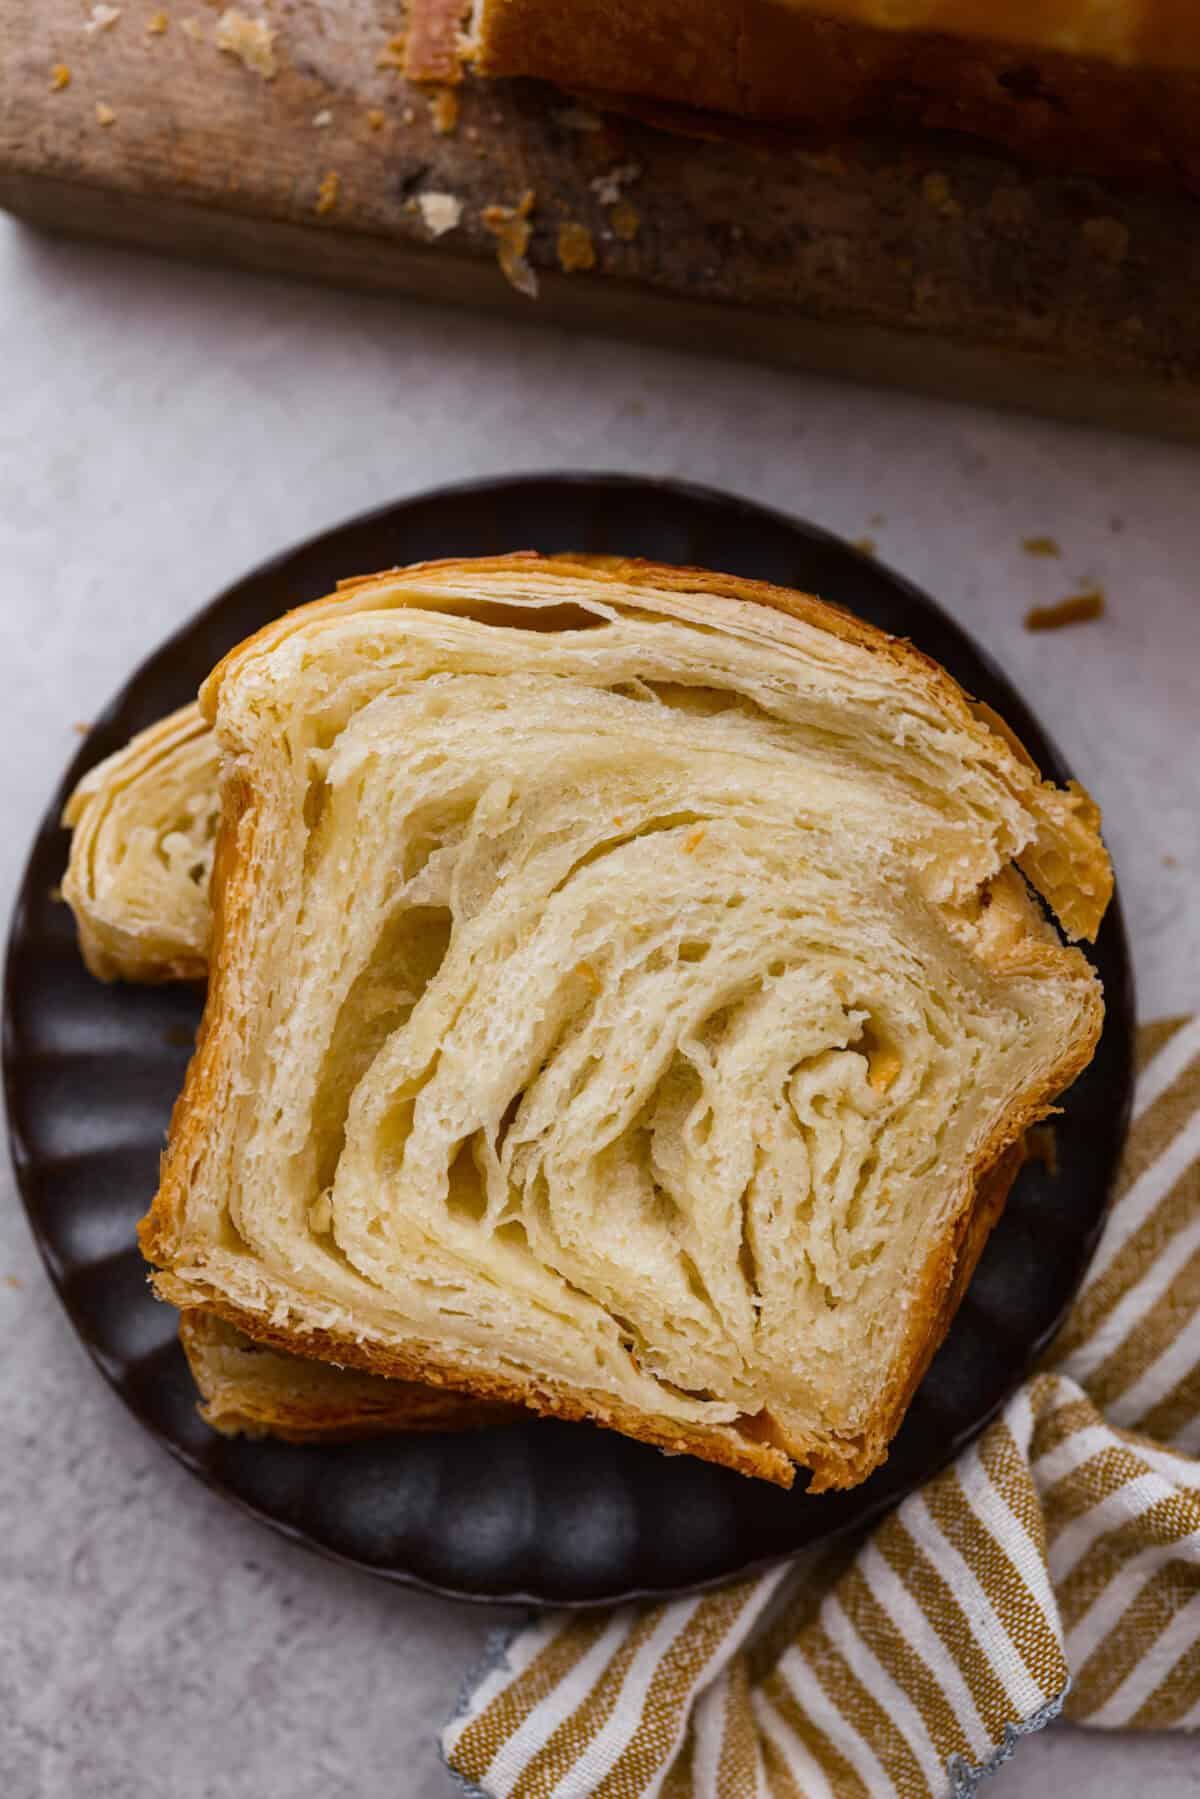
(624, 1000)
(250, 1390)
(1079, 85)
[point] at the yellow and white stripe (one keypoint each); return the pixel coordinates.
(1056, 1566)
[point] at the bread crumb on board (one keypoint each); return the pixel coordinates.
(105, 114)
(1041, 546)
(251, 41)
(392, 54)
(327, 192)
(443, 110)
(625, 220)
(323, 118)
(607, 187)
(439, 212)
(575, 247)
(60, 77)
(376, 119)
(1076, 609)
(101, 18)
(866, 545)
(510, 226)
(157, 23)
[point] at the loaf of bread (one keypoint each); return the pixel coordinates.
(250, 1390)
(143, 826)
(1101, 86)
(624, 1001)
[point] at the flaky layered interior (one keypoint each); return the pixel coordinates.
(622, 988)
(247, 1389)
(144, 825)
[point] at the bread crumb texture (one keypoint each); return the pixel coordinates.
(327, 192)
(576, 250)
(510, 226)
(439, 212)
(157, 23)
(101, 18)
(1076, 609)
(608, 187)
(443, 110)
(392, 54)
(251, 41)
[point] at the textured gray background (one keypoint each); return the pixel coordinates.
(161, 430)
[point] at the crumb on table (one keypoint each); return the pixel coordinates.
(376, 119)
(101, 18)
(1076, 609)
(60, 77)
(105, 114)
(439, 212)
(392, 54)
(327, 192)
(576, 250)
(1041, 546)
(443, 110)
(157, 24)
(251, 41)
(510, 227)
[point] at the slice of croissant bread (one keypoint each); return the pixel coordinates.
(250, 1390)
(623, 1001)
(143, 830)
(143, 826)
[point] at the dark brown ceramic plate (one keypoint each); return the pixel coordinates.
(543, 1511)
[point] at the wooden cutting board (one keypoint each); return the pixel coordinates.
(935, 266)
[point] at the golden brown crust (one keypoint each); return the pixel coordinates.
(439, 1370)
(1129, 101)
(247, 1389)
(938, 1286)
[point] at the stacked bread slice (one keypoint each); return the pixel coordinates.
(626, 999)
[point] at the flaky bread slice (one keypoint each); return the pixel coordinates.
(250, 1390)
(623, 1001)
(143, 827)
(144, 824)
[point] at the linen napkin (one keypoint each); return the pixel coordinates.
(1054, 1568)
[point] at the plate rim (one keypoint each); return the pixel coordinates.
(93, 748)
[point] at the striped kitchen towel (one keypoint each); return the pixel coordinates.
(1055, 1567)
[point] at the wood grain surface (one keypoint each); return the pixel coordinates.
(932, 265)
